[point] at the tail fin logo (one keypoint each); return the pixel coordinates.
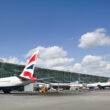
(26, 73)
(32, 59)
(109, 80)
(29, 69)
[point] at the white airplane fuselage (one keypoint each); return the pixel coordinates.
(99, 85)
(12, 82)
(67, 85)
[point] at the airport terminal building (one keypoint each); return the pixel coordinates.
(53, 76)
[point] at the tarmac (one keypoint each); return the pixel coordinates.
(85, 100)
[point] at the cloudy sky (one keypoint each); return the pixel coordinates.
(71, 35)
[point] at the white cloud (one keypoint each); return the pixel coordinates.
(91, 60)
(96, 65)
(77, 67)
(1, 59)
(52, 58)
(50, 63)
(50, 52)
(108, 55)
(56, 58)
(11, 59)
(94, 39)
(59, 62)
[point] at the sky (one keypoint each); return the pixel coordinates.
(71, 35)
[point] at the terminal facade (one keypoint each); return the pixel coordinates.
(47, 75)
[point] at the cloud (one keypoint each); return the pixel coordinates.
(95, 65)
(59, 62)
(50, 63)
(108, 55)
(56, 58)
(11, 59)
(50, 52)
(1, 60)
(52, 57)
(77, 67)
(94, 39)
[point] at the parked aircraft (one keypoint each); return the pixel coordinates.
(99, 85)
(66, 86)
(10, 83)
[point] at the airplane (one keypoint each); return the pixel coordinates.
(99, 85)
(67, 86)
(26, 77)
(92, 85)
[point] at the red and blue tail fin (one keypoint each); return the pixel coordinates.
(29, 69)
(109, 80)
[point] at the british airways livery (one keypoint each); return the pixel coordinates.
(10, 83)
(100, 85)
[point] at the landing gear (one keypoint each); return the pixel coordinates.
(6, 91)
(101, 87)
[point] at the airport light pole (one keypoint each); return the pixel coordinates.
(70, 77)
(79, 78)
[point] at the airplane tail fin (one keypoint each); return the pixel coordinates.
(109, 80)
(29, 68)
